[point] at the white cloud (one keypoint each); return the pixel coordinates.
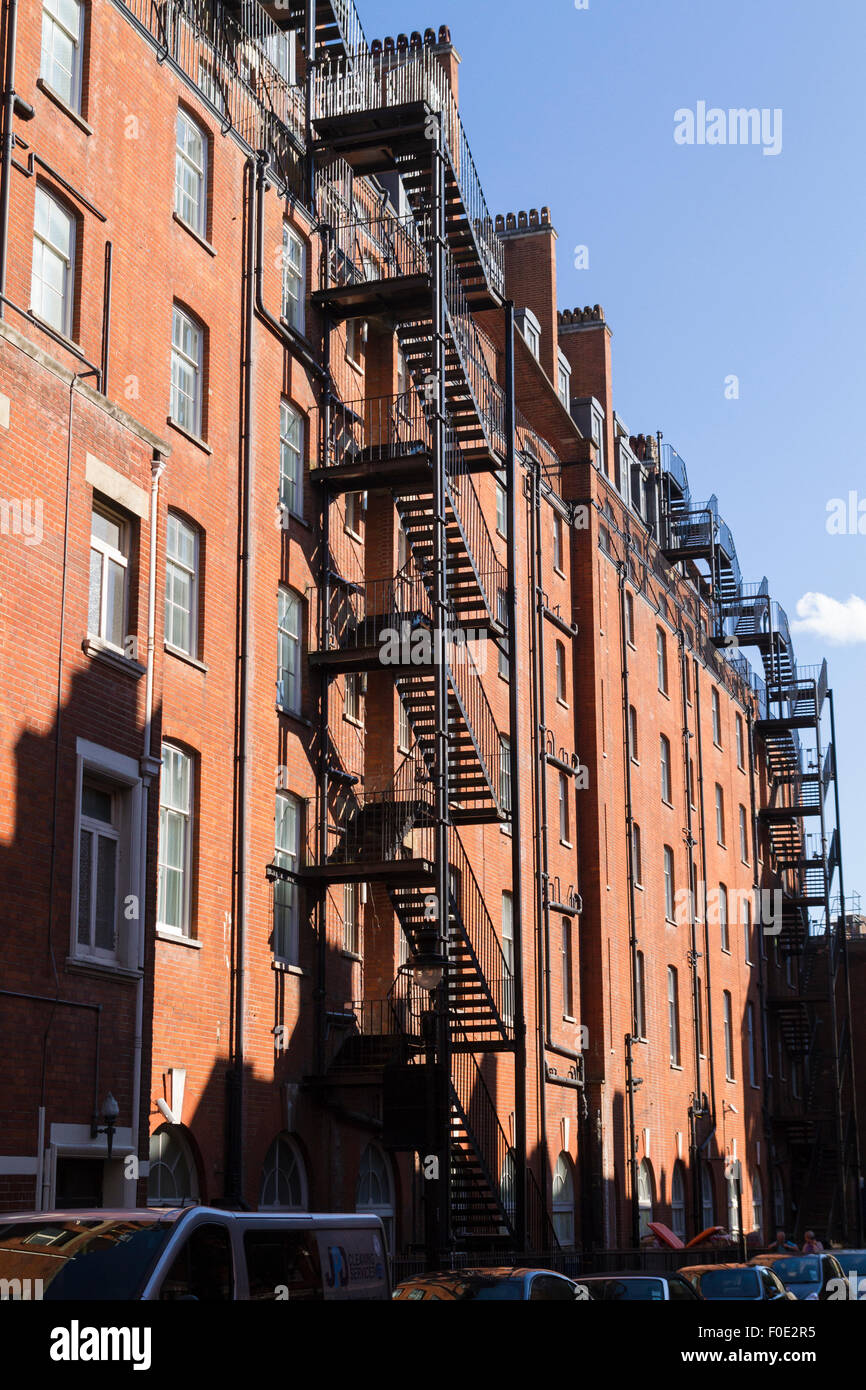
(842, 624)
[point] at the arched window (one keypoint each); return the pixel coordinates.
(172, 1178)
(375, 1190)
(563, 1201)
(757, 1205)
(284, 1179)
(708, 1206)
(678, 1202)
(645, 1197)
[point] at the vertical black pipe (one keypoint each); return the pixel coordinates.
(708, 995)
(320, 993)
(632, 912)
(106, 318)
(8, 143)
(694, 955)
(516, 835)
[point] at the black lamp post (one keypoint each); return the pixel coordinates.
(110, 1112)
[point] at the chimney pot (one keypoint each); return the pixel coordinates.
(444, 34)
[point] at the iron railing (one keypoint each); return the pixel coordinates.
(373, 81)
(488, 395)
(391, 820)
(492, 575)
(370, 250)
(377, 429)
(369, 616)
(481, 725)
(479, 932)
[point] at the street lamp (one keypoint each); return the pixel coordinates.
(110, 1112)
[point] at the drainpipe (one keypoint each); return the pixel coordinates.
(290, 336)
(516, 837)
(693, 930)
(707, 982)
(8, 142)
(149, 769)
(632, 911)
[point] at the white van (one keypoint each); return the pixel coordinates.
(201, 1254)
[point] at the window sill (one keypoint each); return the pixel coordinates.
(186, 658)
(718, 746)
(94, 647)
(566, 844)
(58, 333)
(664, 693)
(669, 804)
(569, 1018)
(287, 515)
(639, 886)
(353, 956)
(355, 723)
(356, 366)
(63, 106)
(505, 830)
(676, 1066)
(293, 714)
(562, 703)
(85, 965)
(282, 967)
(187, 434)
(196, 236)
(557, 570)
(353, 535)
(177, 938)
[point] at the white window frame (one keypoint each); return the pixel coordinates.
(505, 772)
(507, 920)
(561, 677)
(355, 514)
(741, 743)
(501, 513)
(640, 995)
(353, 708)
(291, 459)
(724, 918)
(110, 556)
(666, 769)
(662, 660)
(503, 652)
(123, 775)
(636, 855)
(289, 683)
(356, 338)
(182, 362)
(563, 1202)
(674, 1015)
(274, 1167)
(716, 706)
(670, 882)
(404, 728)
(744, 834)
(185, 161)
(567, 952)
(720, 815)
(728, 1028)
(174, 562)
(185, 814)
(294, 279)
(563, 380)
(52, 25)
(287, 855)
(61, 255)
(558, 544)
(351, 927)
(564, 811)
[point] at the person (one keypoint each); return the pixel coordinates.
(781, 1243)
(811, 1246)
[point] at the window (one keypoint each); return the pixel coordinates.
(289, 651)
(717, 718)
(747, 928)
(636, 855)
(561, 686)
(640, 995)
(181, 585)
(352, 707)
(734, 1198)
(356, 339)
(109, 574)
(741, 743)
(724, 925)
(563, 382)
(403, 731)
(503, 644)
(52, 285)
(505, 772)
(356, 513)
(757, 1205)
(678, 1203)
(720, 815)
(700, 1011)
(673, 1016)
(670, 893)
(750, 1033)
(563, 1202)
(567, 969)
(62, 48)
(210, 85)
(645, 1197)
(531, 332)
(190, 174)
(662, 660)
(508, 958)
(665, 753)
(508, 1186)
(729, 1036)
(175, 840)
(351, 940)
(284, 1180)
(99, 850)
(187, 349)
(557, 543)
(171, 1179)
(375, 1190)
(564, 810)
(633, 745)
(708, 1206)
(501, 507)
(744, 836)
(629, 617)
(692, 801)
(287, 845)
(291, 459)
(294, 278)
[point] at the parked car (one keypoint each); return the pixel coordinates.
(852, 1262)
(742, 1282)
(489, 1286)
(192, 1254)
(808, 1277)
(632, 1287)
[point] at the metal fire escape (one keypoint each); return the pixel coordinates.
(815, 1133)
(422, 268)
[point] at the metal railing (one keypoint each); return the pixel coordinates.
(481, 724)
(373, 81)
(489, 396)
(476, 1107)
(479, 932)
(371, 615)
(393, 819)
(532, 443)
(376, 429)
(230, 55)
(368, 251)
(491, 573)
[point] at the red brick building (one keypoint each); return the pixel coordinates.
(364, 648)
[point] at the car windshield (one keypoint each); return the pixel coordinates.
(798, 1271)
(70, 1259)
(852, 1261)
(634, 1290)
(730, 1283)
(493, 1289)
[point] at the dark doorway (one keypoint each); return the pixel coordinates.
(79, 1183)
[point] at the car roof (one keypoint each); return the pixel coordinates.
(172, 1214)
(455, 1275)
(705, 1269)
(627, 1274)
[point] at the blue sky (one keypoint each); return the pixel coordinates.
(710, 261)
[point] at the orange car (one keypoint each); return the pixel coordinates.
(489, 1285)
